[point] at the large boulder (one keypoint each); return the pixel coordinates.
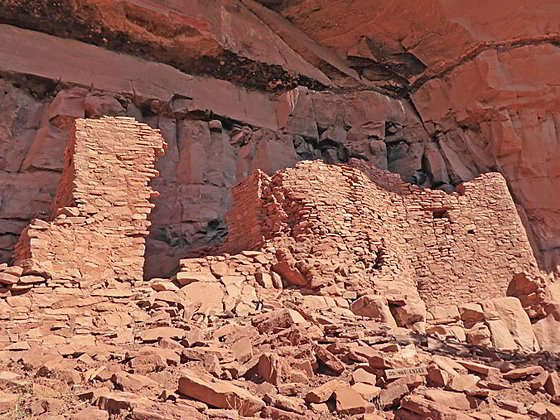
(547, 331)
(376, 307)
(219, 394)
(516, 319)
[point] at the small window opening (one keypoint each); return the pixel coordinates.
(441, 214)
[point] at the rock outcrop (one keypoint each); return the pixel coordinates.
(473, 104)
(356, 215)
(323, 275)
(214, 140)
(481, 77)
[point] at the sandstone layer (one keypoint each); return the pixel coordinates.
(477, 85)
(214, 140)
(482, 78)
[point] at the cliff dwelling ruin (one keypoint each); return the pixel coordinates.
(281, 210)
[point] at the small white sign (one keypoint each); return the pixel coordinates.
(401, 373)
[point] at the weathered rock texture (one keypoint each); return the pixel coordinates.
(438, 92)
(193, 35)
(101, 207)
(217, 133)
(482, 78)
(328, 271)
(508, 119)
(457, 248)
(316, 270)
(335, 230)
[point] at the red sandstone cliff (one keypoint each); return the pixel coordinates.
(482, 77)
(307, 286)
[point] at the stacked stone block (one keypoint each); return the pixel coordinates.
(100, 214)
(363, 229)
(247, 215)
(465, 246)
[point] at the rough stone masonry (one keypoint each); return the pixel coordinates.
(343, 261)
(102, 204)
(460, 247)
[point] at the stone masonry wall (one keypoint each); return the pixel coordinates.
(246, 217)
(100, 222)
(359, 241)
(465, 246)
(470, 243)
(361, 228)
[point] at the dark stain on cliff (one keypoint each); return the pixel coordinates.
(77, 20)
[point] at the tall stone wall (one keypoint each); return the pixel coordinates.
(464, 246)
(102, 204)
(246, 218)
(358, 228)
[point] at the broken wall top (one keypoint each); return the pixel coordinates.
(360, 228)
(102, 204)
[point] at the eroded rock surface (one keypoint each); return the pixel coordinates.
(477, 85)
(319, 291)
(214, 140)
(482, 78)
(322, 303)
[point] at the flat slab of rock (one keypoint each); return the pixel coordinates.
(219, 394)
(547, 331)
(114, 402)
(154, 334)
(278, 414)
(363, 376)
(7, 401)
(329, 359)
(186, 277)
(456, 400)
(91, 413)
(323, 392)
(374, 307)
(6, 278)
(478, 367)
(513, 406)
(132, 382)
(552, 384)
(367, 391)
(429, 409)
(552, 412)
(516, 319)
(523, 372)
(219, 269)
(289, 275)
(281, 318)
(462, 383)
(113, 293)
(296, 405)
(392, 396)
(350, 401)
(209, 295)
